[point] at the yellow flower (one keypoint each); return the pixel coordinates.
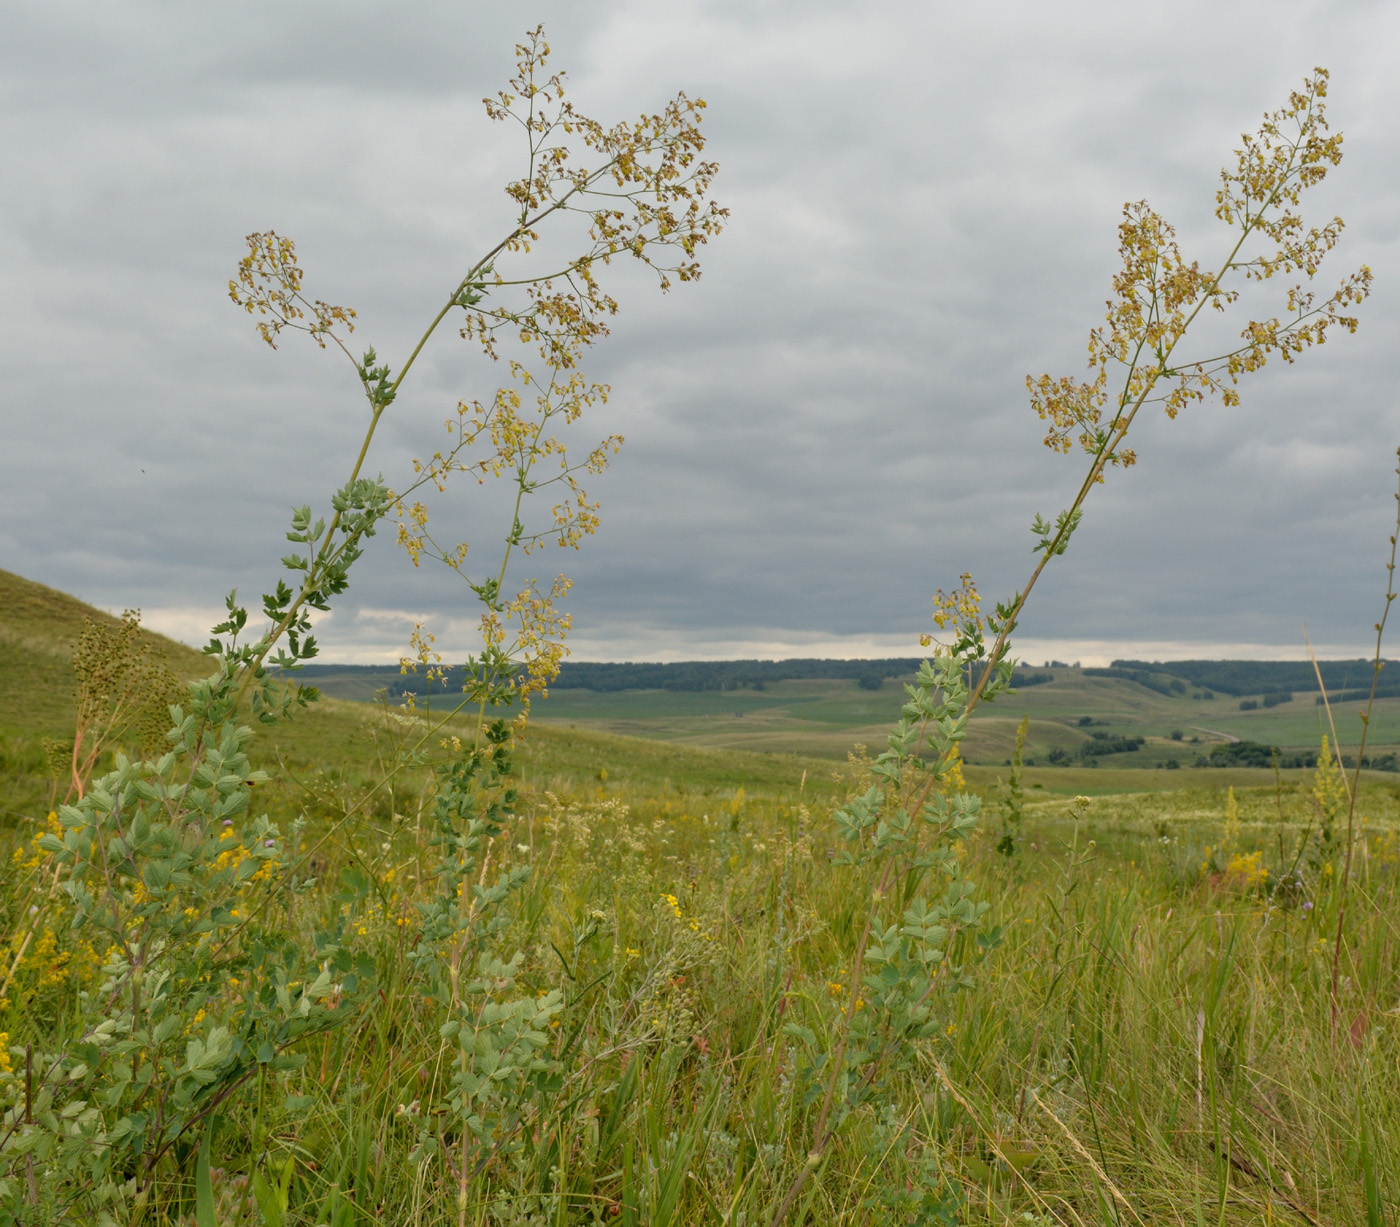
(1248, 871)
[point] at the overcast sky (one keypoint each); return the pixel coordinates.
(829, 426)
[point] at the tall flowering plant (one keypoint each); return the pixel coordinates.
(900, 837)
(169, 869)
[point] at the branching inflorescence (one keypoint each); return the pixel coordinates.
(1158, 296)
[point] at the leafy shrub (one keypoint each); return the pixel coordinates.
(1243, 754)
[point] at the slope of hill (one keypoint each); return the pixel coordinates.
(39, 627)
(1079, 718)
(334, 745)
(1263, 677)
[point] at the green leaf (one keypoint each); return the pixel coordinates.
(267, 1201)
(203, 1186)
(802, 1033)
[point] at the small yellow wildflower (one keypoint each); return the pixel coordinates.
(1248, 871)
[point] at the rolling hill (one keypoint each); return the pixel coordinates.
(1090, 730)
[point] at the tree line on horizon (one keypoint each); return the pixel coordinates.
(1344, 679)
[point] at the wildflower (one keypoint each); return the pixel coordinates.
(1232, 821)
(52, 962)
(1248, 871)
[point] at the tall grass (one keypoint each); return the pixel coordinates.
(1147, 1041)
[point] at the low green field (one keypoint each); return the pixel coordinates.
(827, 718)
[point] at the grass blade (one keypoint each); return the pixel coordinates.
(203, 1185)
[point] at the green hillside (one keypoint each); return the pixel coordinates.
(1069, 716)
(332, 745)
(1075, 713)
(39, 627)
(714, 739)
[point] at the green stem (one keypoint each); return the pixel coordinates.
(319, 556)
(822, 1134)
(1355, 785)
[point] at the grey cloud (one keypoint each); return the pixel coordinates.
(830, 425)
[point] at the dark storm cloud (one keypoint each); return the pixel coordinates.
(830, 425)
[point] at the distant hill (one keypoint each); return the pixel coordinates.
(693, 676)
(1237, 678)
(39, 627)
(682, 677)
(781, 705)
(1259, 677)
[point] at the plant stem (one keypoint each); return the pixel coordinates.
(821, 1135)
(1117, 431)
(1377, 665)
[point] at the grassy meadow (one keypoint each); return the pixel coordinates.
(1150, 1032)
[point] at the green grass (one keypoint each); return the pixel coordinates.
(1152, 1040)
(1145, 1025)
